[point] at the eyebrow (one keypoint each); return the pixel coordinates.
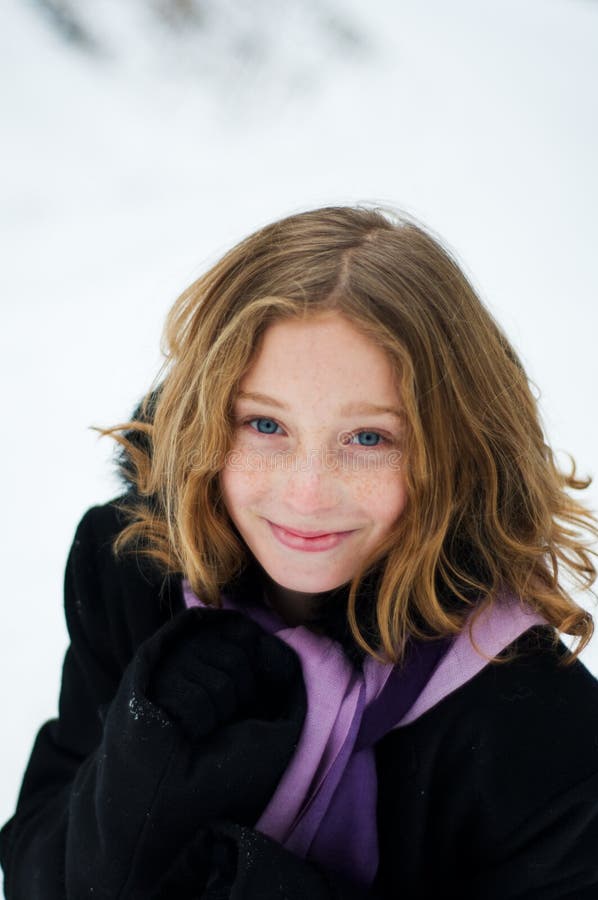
(351, 409)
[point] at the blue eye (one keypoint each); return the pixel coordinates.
(370, 434)
(373, 439)
(263, 419)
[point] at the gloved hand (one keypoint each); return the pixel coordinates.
(236, 696)
(226, 861)
(218, 666)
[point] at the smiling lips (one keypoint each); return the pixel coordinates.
(309, 541)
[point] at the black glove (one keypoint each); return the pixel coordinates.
(225, 861)
(218, 666)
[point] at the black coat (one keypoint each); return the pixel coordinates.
(493, 793)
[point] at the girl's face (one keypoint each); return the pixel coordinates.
(311, 454)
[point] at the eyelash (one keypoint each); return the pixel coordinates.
(385, 441)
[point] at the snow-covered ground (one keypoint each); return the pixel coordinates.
(124, 176)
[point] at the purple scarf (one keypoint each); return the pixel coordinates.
(324, 807)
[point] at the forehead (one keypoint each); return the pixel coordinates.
(323, 354)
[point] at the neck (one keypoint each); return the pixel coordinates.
(295, 607)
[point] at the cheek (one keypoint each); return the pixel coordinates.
(382, 493)
(240, 486)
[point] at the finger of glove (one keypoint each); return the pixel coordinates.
(228, 658)
(200, 699)
(278, 674)
(186, 878)
(276, 660)
(207, 683)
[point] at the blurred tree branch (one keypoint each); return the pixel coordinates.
(77, 21)
(246, 51)
(62, 15)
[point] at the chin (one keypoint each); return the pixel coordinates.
(305, 585)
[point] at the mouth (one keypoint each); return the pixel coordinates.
(315, 541)
(307, 534)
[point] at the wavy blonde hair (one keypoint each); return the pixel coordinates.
(487, 508)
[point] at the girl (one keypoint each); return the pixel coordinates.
(315, 644)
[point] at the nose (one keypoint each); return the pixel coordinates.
(309, 483)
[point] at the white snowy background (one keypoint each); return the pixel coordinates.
(129, 166)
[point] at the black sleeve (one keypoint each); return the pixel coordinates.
(535, 743)
(113, 788)
(552, 855)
